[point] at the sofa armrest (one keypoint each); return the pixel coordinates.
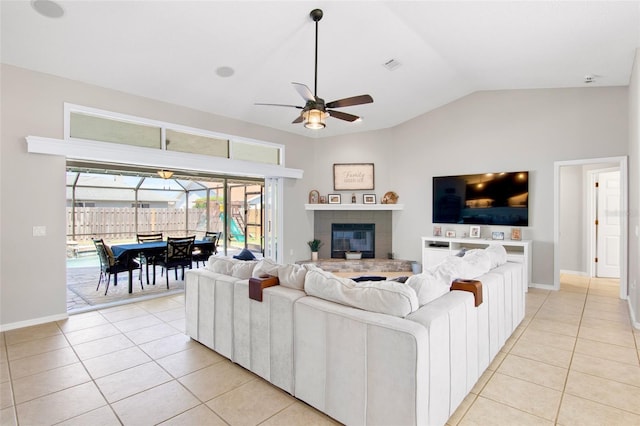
(257, 284)
(473, 286)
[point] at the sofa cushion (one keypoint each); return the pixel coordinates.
(387, 297)
(292, 276)
(265, 267)
(243, 269)
(221, 264)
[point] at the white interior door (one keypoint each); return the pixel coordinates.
(609, 223)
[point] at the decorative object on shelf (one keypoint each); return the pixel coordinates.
(437, 231)
(497, 235)
(474, 231)
(369, 199)
(390, 198)
(335, 199)
(323, 199)
(353, 198)
(450, 234)
(314, 245)
(314, 197)
(354, 176)
(352, 255)
(516, 234)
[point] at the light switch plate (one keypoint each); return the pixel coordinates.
(39, 231)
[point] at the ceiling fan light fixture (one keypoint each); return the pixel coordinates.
(314, 119)
(165, 174)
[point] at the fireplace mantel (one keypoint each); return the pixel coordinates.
(354, 206)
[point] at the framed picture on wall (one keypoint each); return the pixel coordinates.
(497, 235)
(450, 234)
(335, 199)
(353, 176)
(474, 231)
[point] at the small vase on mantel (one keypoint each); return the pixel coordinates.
(314, 256)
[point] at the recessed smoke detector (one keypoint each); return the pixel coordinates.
(47, 8)
(391, 64)
(225, 71)
(589, 78)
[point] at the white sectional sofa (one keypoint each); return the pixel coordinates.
(374, 353)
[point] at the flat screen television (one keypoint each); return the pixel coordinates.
(482, 199)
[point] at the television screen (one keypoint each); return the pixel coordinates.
(482, 199)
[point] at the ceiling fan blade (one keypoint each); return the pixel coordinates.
(342, 115)
(280, 105)
(304, 91)
(354, 100)
(297, 120)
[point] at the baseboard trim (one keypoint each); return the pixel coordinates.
(541, 286)
(579, 273)
(634, 320)
(32, 322)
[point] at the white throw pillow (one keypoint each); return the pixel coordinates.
(292, 276)
(427, 287)
(221, 265)
(498, 255)
(243, 269)
(386, 297)
(265, 267)
(479, 259)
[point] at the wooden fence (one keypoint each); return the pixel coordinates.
(119, 223)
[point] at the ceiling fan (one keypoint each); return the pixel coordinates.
(315, 111)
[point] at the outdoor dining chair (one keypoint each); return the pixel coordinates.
(146, 260)
(202, 254)
(109, 265)
(178, 255)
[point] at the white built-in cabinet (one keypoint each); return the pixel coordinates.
(436, 249)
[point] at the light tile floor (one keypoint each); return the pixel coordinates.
(574, 360)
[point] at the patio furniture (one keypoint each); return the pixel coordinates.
(147, 259)
(123, 252)
(178, 255)
(110, 265)
(202, 254)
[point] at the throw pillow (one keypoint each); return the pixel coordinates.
(265, 267)
(245, 254)
(243, 270)
(498, 255)
(427, 287)
(292, 276)
(221, 265)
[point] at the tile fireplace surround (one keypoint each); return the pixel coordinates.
(382, 220)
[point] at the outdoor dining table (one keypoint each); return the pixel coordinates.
(127, 252)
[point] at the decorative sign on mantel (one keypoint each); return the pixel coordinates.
(354, 176)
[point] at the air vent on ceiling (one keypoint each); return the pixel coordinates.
(392, 64)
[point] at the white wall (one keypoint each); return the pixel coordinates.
(486, 131)
(32, 270)
(504, 131)
(572, 239)
(634, 190)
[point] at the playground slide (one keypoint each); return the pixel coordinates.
(236, 232)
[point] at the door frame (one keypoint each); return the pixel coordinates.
(622, 162)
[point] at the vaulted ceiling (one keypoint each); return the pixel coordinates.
(174, 51)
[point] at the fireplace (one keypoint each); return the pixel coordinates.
(358, 237)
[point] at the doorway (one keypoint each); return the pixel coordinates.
(604, 220)
(578, 202)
